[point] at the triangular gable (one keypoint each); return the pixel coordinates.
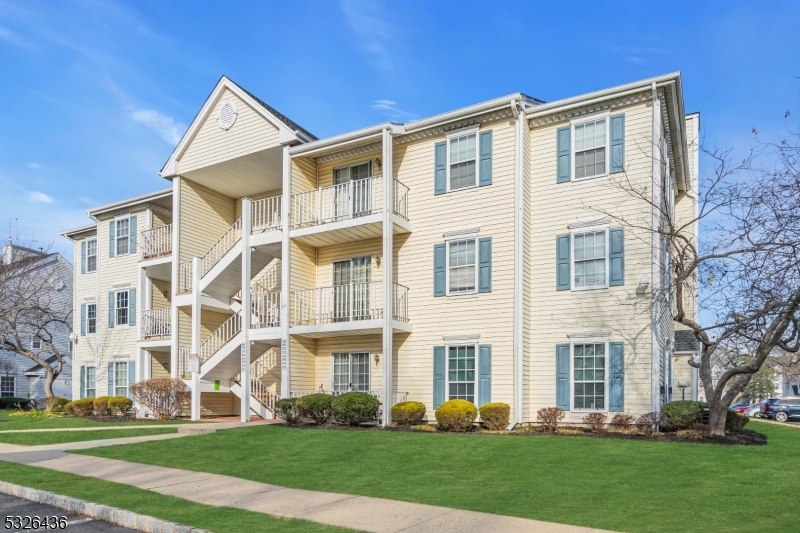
(225, 88)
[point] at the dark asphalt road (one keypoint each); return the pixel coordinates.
(15, 507)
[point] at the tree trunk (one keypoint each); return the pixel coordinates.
(50, 377)
(717, 416)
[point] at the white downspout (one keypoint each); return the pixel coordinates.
(518, 270)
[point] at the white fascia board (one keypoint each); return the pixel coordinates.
(466, 112)
(70, 233)
(342, 140)
(157, 195)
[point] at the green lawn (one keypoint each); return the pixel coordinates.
(623, 485)
(25, 422)
(59, 437)
(218, 519)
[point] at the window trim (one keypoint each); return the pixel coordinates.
(93, 303)
(476, 265)
(116, 322)
(116, 235)
(585, 119)
(350, 367)
(587, 340)
(14, 392)
(476, 381)
(35, 339)
(86, 382)
(456, 134)
(127, 377)
(88, 271)
(582, 231)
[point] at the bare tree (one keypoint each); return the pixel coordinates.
(32, 310)
(745, 264)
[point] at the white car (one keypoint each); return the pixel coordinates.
(754, 411)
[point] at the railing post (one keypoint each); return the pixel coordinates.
(388, 263)
(196, 336)
(247, 310)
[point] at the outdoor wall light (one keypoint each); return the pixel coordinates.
(643, 284)
(73, 338)
(377, 358)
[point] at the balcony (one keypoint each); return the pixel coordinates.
(325, 311)
(156, 323)
(267, 215)
(346, 212)
(157, 242)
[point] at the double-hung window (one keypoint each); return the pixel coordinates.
(461, 269)
(121, 308)
(590, 148)
(91, 255)
(120, 378)
(91, 319)
(589, 376)
(91, 382)
(36, 343)
(123, 235)
(7, 386)
(350, 371)
(461, 373)
(590, 259)
(462, 161)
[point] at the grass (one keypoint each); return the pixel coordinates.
(60, 437)
(622, 485)
(218, 519)
(56, 422)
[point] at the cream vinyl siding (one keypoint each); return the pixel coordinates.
(685, 207)
(304, 275)
(218, 404)
(303, 375)
(85, 287)
(490, 208)
(209, 322)
(161, 219)
(527, 296)
(271, 361)
(355, 343)
(205, 216)
(325, 170)
(681, 371)
(327, 255)
(159, 362)
(616, 310)
(250, 133)
(304, 174)
(184, 328)
(160, 288)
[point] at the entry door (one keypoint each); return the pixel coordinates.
(352, 193)
(351, 287)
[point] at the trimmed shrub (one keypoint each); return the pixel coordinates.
(457, 415)
(119, 405)
(55, 403)
(101, 406)
(163, 397)
(734, 421)
(408, 413)
(596, 422)
(549, 417)
(317, 407)
(33, 413)
(621, 421)
(648, 423)
(15, 403)
(287, 411)
(354, 408)
(682, 414)
(496, 415)
(82, 407)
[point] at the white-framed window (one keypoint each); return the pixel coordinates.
(91, 255)
(91, 319)
(91, 382)
(589, 376)
(352, 193)
(462, 160)
(461, 361)
(590, 147)
(8, 386)
(123, 226)
(590, 259)
(120, 378)
(36, 343)
(121, 308)
(350, 371)
(462, 271)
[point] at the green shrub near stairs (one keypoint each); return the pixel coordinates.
(354, 408)
(286, 409)
(317, 407)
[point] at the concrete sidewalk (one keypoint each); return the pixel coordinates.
(345, 510)
(193, 428)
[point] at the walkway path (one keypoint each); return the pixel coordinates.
(345, 510)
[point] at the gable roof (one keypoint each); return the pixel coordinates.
(685, 341)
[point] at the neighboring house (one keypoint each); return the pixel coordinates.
(21, 377)
(686, 379)
(454, 256)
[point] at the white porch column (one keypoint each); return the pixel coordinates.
(247, 311)
(176, 257)
(286, 203)
(388, 280)
(196, 316)
(143, 303)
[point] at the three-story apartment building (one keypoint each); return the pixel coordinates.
(481, 254)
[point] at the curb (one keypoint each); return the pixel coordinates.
(112, 515)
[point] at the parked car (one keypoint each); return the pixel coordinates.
(781, 409)
(738, 405)
(742, 408)
(754, 411)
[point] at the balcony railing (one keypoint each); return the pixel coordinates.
(183, 361)
(397, 396)
(400, 200)
(157, 322)
(157, 242)
(346, 303)
(267, 214)
(184, 277)
(221, 247)
(266, 310)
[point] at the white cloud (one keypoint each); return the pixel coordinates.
(35, 166)
(35, 196)
(371, 29)
(389, 108)
(164, 125)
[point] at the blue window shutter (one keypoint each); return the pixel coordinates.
(616, 377)
(82, 392)
(562, 262)
(83, 319)
(83, 257)
(131, 376)
(132, 307)
(486, 158)
(112, 238)
(484, 374)
(439, 262)
(616, 256)
(440, 175)
(132, 236)
(111, 379)
(438, 376)
(111, 309)
(485, 264)
(562, 376)
(563, 154)
(617, 144)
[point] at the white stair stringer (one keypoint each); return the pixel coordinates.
(257, 406)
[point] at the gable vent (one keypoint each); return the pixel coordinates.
(227, 115)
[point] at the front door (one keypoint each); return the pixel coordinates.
(352, 192)
(351, 287)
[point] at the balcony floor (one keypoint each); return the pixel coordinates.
(353, 229)
(343, 329)
(159, 268)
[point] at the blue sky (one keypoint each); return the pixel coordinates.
(95, 95)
